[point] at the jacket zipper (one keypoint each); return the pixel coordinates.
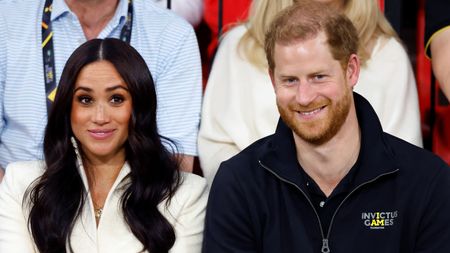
(325, 246)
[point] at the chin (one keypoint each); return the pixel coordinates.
(103, 151)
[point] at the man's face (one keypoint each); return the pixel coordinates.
(314, 93)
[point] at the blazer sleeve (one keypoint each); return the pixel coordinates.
(190, 221)
(14, 233)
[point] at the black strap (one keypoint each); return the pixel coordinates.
(220, 20)
(169, 4)
(429, 141)
(48, 53)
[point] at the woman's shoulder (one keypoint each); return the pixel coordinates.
(20, 175)
(236, 31)
(191, 184)
(233, 36)
(389, 48)
(25, 170)
(191, 194)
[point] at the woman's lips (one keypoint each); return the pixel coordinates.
(101, 134)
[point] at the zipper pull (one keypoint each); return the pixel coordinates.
(325, 247)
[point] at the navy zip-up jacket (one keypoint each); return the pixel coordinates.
(399, 200)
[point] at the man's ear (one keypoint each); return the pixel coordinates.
(272, 78)
(353, 68)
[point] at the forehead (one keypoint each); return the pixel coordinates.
(98, 74)
(308, 54)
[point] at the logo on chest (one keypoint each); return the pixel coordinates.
(379, 220)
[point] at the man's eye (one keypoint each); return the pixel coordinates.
(319, 77)
(290, 80)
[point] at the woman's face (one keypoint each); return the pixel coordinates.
(101, 111)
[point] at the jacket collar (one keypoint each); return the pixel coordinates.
(375, 158)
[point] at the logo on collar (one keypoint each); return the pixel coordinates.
(379, 220)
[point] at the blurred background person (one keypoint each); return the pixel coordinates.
(232, 12)
(107, 181)
(37, 38)
(191, 10)
(239, 103)
(437, 39)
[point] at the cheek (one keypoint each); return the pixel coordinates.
(284, 96)
(78, 117)
(124, 116)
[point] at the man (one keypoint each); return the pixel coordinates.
(29, 28)
(437, 39)
(329, 179)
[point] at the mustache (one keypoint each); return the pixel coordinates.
(294, 106)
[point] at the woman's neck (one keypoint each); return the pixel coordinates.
(101, 177)
(103, 168)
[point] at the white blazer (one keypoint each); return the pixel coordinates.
(186, 214)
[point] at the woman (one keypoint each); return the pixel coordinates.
(108, 183)
(239, 104)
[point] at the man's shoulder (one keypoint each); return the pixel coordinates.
(415, 160)
(246, 163)
(155, 17)
(160, 29)
(14, 9)
(19, 20)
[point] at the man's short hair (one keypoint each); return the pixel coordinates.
(305, 20)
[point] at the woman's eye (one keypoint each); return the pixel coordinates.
(85, 100)
(117, 99)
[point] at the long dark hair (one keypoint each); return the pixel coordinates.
(58, 196)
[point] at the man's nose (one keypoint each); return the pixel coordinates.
(305, 93)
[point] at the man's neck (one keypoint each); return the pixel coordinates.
(327, 164)
(93, 15)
